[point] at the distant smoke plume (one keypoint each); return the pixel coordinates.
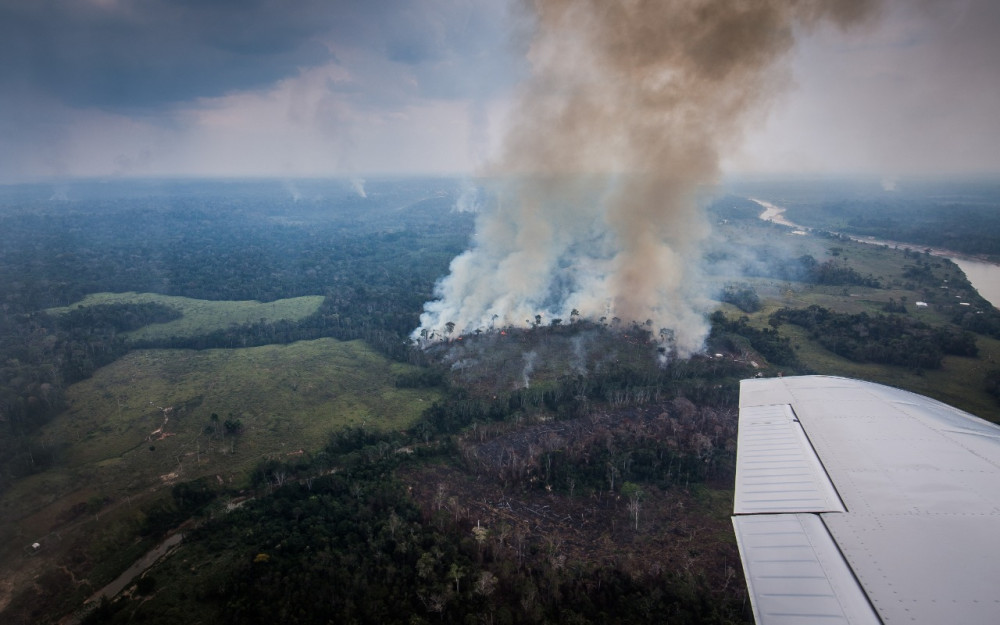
(469, 198)
(358, 184)
(628, 108)
(293, 190)
(529, 367)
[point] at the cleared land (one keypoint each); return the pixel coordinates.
(201, 316)
(286, 398)
(958, 382)
(144, 423)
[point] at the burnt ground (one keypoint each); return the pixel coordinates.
(530, 510)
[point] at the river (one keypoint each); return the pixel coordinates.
(984, 276)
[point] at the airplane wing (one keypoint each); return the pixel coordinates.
(860, 503)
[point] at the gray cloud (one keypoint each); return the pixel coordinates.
(129, 55)
(134, 55)
(163, 86)
(244, 87)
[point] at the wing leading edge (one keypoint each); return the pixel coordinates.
(860, 503)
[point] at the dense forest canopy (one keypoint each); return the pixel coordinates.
(228, 243)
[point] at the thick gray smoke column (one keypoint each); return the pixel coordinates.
(629, 106)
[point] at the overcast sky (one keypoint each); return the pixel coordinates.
(321, 88)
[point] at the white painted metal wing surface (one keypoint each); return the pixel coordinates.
(860, 503)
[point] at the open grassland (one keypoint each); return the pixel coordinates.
(201, 316)
(145, 422)
(960, 380)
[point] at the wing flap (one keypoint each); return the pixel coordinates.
(777, 469)
(796, 574)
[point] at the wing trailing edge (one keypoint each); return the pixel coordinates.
(860, 503)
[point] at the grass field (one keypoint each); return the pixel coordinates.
(144, 422)
(959, 382)
(200, 316)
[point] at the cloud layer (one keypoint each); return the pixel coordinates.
(314, 87)
(260, 87)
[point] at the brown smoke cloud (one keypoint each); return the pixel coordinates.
(628, 108)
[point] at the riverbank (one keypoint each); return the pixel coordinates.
(984, 275)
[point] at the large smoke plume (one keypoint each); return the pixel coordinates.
(629, 106)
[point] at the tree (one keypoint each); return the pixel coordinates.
(612, 474)
(486, 583)
(456, 573)
(232, 427)
(480, 533)
(634, 494)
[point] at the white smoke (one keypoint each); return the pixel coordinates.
(292, 189)
(578, 361)
(628, 109)
(529, 367)
(527, 262)
(470, 198)
(358, 184)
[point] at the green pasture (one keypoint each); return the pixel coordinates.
(958, 382)
(200, 316)
(144, 421)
